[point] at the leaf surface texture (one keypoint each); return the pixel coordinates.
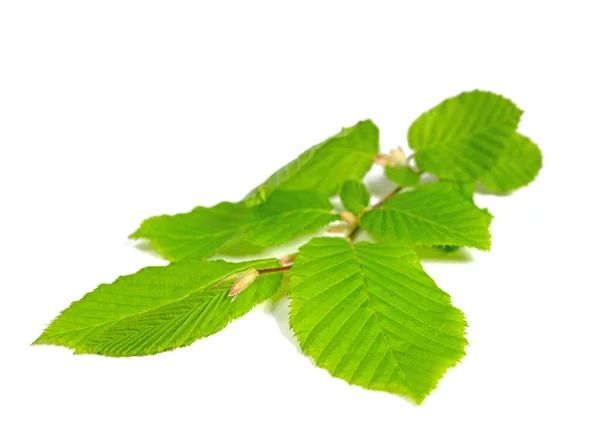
(431, 215)
(463, 137)
(403, 176)
(370, 315)
(355, 196)
(326, 166)
(158, 308)
(203, 231)
(516, 167)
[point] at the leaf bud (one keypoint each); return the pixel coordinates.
(338, 228)
(287, 260)
(383, 159)
(398, 157)
(243, 282)
(348, 216)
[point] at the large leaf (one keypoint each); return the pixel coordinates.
(517, 166)
(370, 315)
(325, 166)
(463, 137)
(158, 308)
(201, 232)
(355, 196)
(433, 214)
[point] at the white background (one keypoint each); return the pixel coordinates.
(114, 111)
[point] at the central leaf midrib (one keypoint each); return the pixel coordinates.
(243, 227)
(375, 314)
(115, 322)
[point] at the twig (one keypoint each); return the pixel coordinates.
(269, 270)
(386, 198)
(354, 232)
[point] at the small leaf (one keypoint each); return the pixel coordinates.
(403, 176)
(325, 166)
(355, 196)
(158, 308)
(370, 315)
(464, 136)
(433, 214)
(517, 166)
(203, 231)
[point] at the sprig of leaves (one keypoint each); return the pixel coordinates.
(366, 312)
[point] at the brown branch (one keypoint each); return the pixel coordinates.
(386, 198)
(269, 270)
(354, 232)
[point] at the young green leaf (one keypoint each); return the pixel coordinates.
(463, 137)
(370, 315)
(403, 176)
(325, 166)
(203, 231)
(517, 166)
(158, 308)
(355, 196)
(433, 214)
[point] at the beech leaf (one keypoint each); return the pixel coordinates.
(326, 166)
(203, 231)
(370, 315)
(464, 136)
(158, 308)
(431, 215)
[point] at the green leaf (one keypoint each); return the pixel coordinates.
(203, 231)
(463, 137)
(370, 315)
(517, 166)
(466, 188)
(355, 196)
(325, 166)
(433, 214)
(158, 308)
(403, 176)
(199, 233)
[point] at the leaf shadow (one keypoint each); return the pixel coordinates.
(481, 189)
(146, 246)
(279, 308)
(440, 255)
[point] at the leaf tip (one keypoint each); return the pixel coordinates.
(38, 341)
